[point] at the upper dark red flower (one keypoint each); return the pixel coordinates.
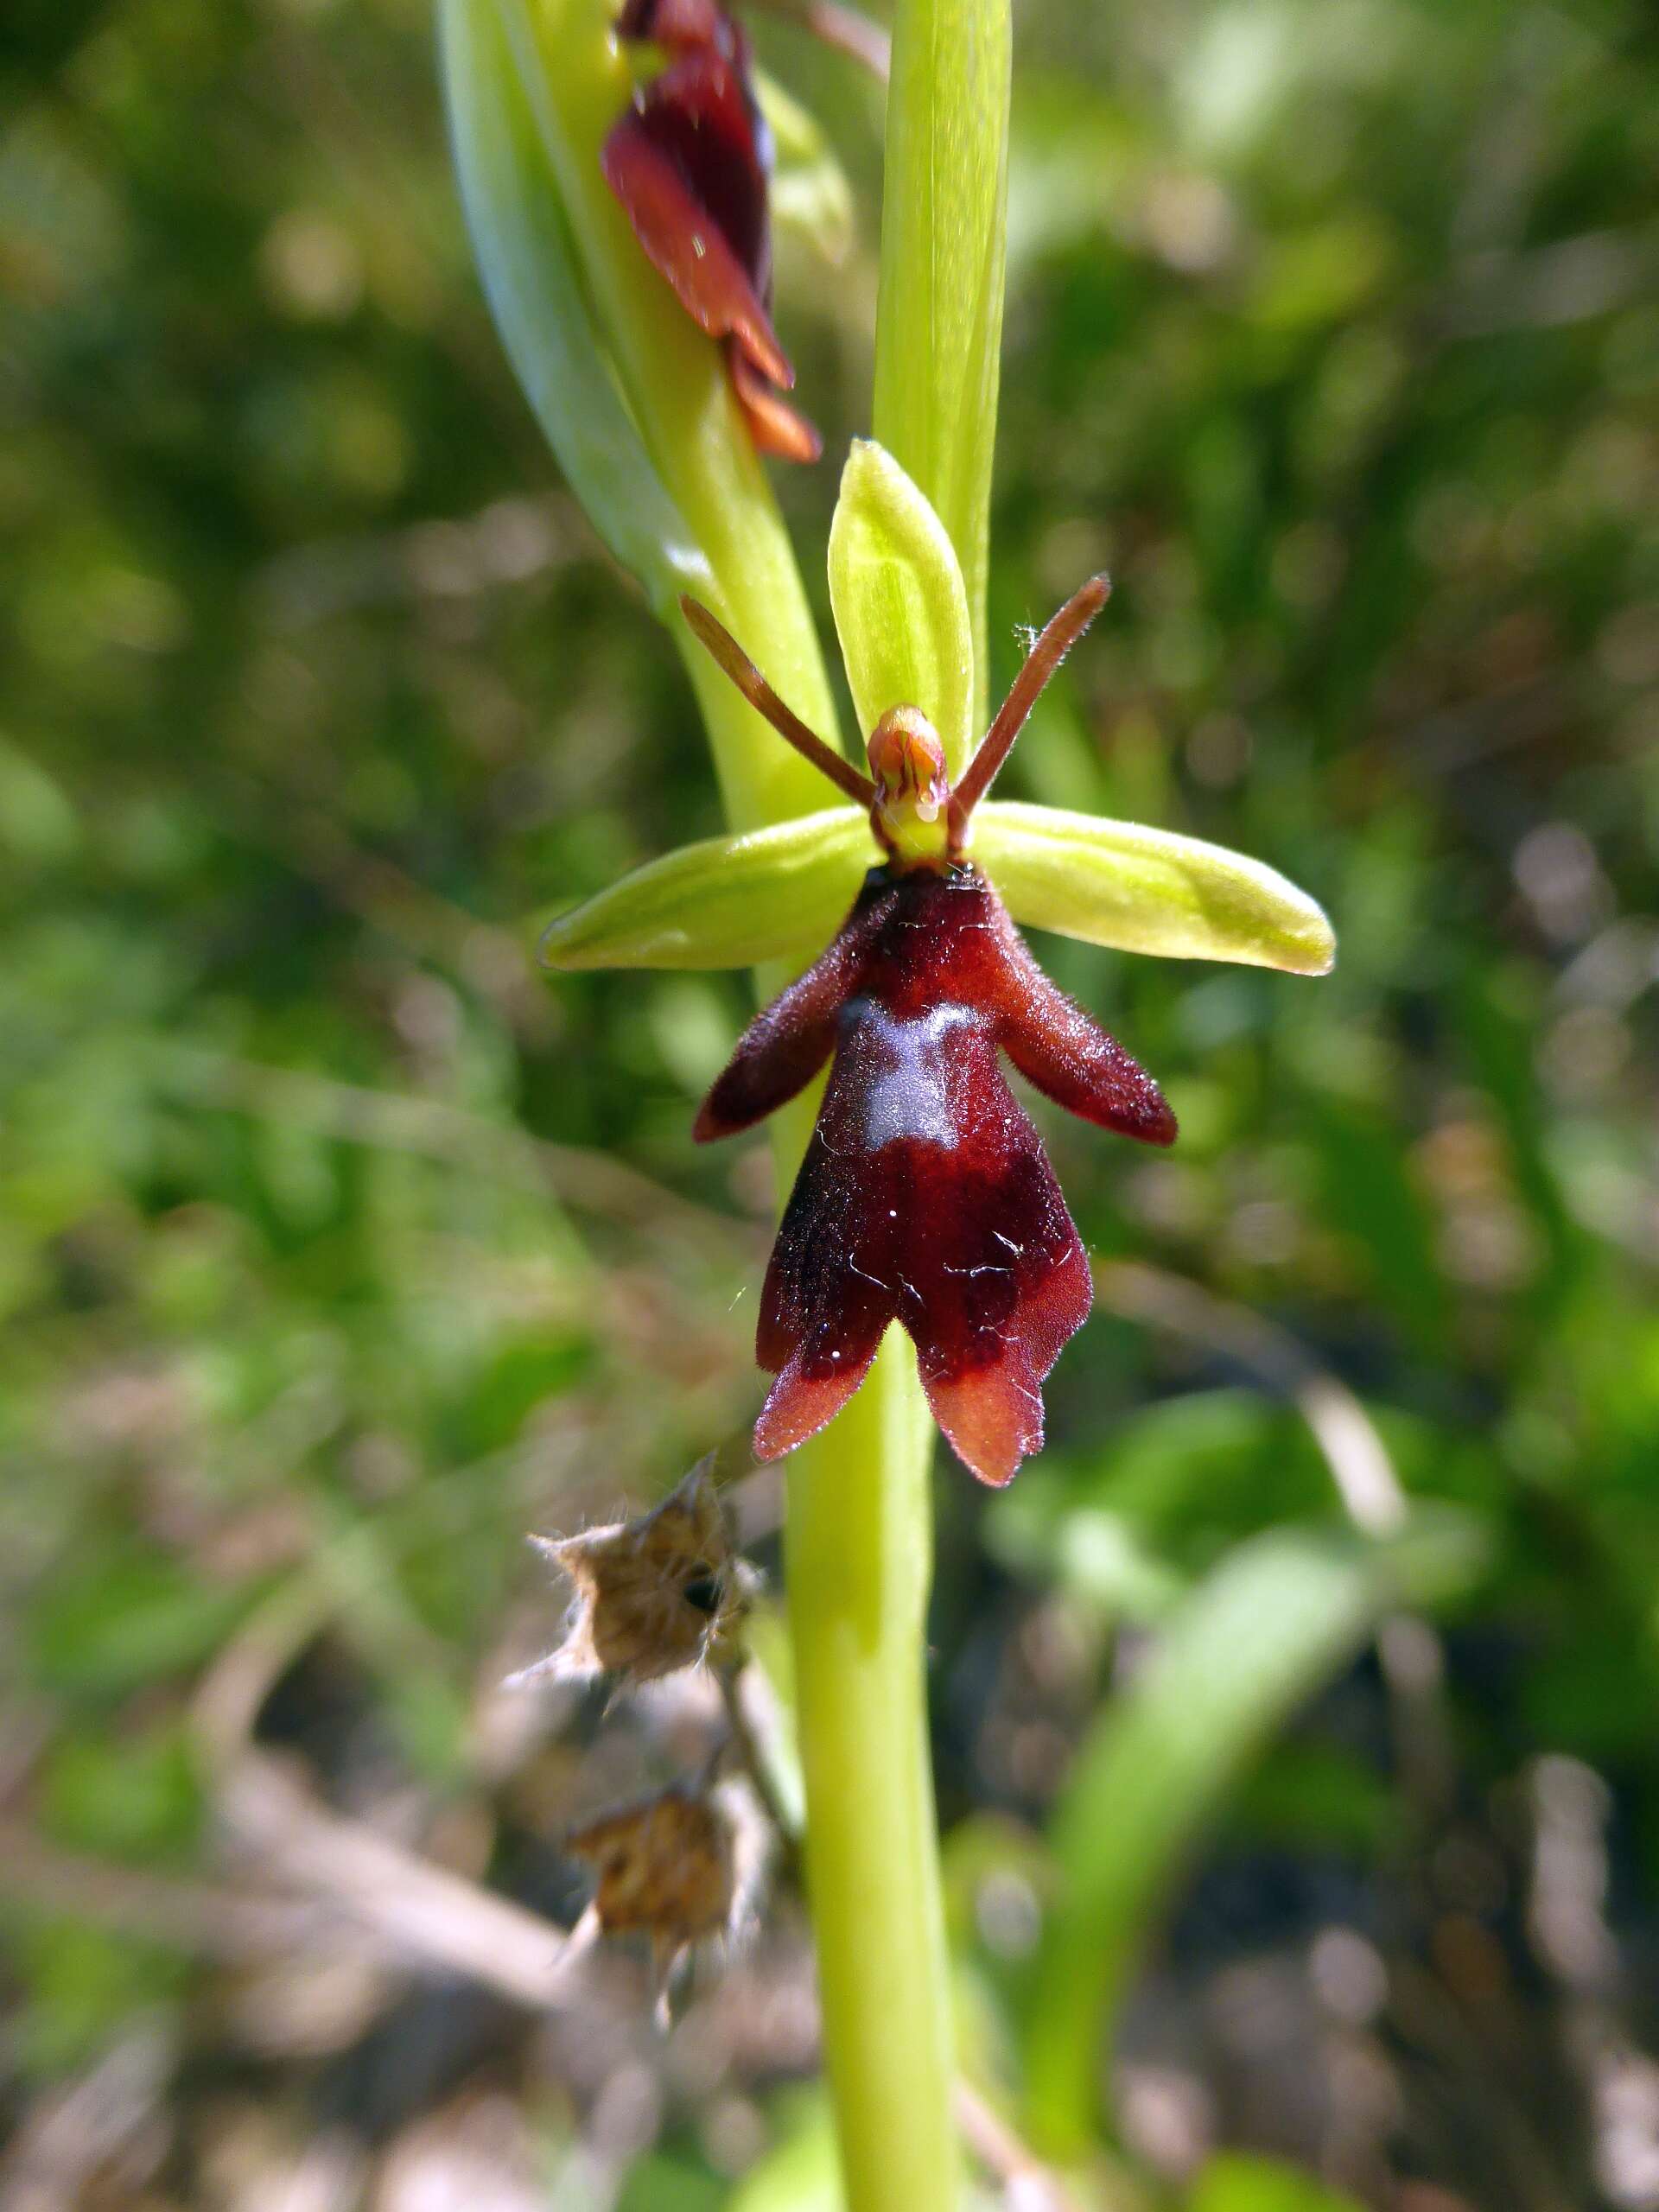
(690, 162)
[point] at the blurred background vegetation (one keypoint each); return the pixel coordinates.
(338, 1250)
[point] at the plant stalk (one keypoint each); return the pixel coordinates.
(858, 1544)
(859, 1540)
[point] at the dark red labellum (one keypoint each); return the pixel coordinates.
(690, 162)
(926, 1195)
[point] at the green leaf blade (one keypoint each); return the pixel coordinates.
(1259, 1635)
(1136, 889)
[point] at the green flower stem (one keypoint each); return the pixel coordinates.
(858, 1564)
(938, 331)
(858, 1541)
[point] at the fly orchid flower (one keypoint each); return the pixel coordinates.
(690, 162)
(926, 1196)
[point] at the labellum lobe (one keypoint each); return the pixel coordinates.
(926, 1196)
(690, 162)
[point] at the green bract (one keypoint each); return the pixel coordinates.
(531, 278)
(901, 610)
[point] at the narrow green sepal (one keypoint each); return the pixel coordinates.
(1140, 890)
(810, 195)
(901, 605)
(779, 893)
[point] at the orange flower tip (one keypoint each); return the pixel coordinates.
(756, 352)
(776, 428)
(994, 1422)
(799, 1403)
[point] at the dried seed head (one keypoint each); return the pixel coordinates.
(666, 1868)
(654, 1594)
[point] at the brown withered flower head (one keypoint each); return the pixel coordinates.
(666, 1868)
(690, 162)
(651, 1595)
(926, 1196)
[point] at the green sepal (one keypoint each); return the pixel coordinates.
(1140, 890)
(901, 608)
(779, 893)
(809, 197)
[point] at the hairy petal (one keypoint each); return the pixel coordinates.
(1140, 890)
(724, 902)
(1070, 1057)
(926, 1196)
(784, 1047)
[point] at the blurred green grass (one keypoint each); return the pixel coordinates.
(1334, 333)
